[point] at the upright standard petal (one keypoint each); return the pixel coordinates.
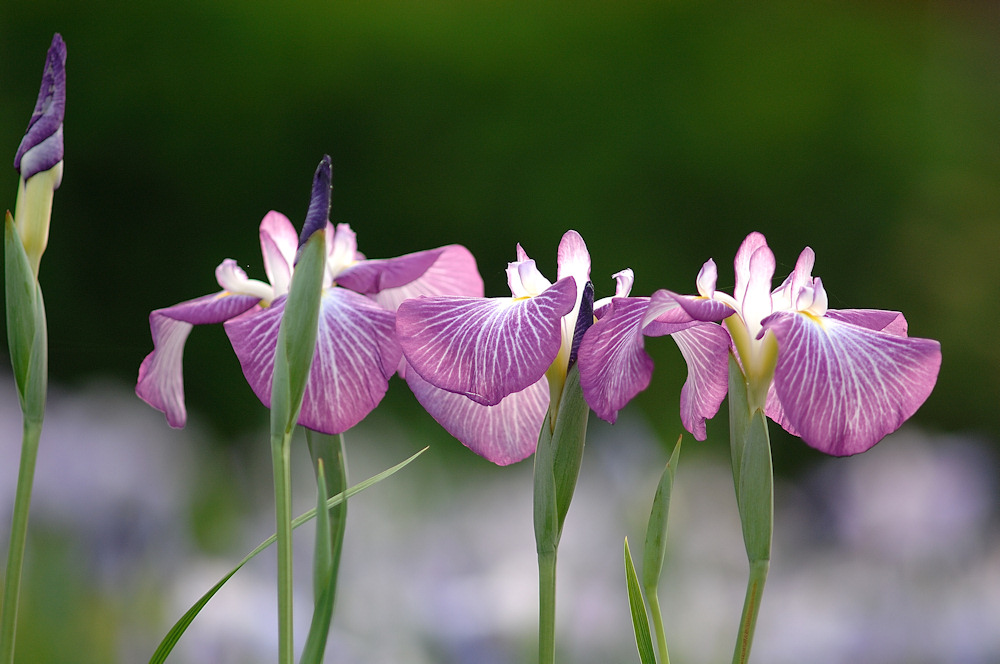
(844, 387)
(484, 349)
(356, 354)
(42, 145)
(161, 377)
(278, 244)
(504, 434)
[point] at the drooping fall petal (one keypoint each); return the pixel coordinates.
(356, 354)
(484, 349)
(614, 366)
(453, 272)
(844, 387)
(161, 378)
(504, 433)
(705, 347)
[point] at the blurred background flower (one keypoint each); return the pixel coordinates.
(864, 130)
(888, 557)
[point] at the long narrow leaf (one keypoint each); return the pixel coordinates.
(640, 622)
(175, 633)
(655, 547)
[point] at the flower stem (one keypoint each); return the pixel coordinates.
(547, 607)
(661, 638)
(281, 460)
(18, 536)
(751, 607)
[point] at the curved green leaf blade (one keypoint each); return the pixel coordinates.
(640, 622)
(175, 633)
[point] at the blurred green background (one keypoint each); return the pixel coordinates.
(662, 131)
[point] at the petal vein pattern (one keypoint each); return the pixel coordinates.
(843, 387)
(504, 433)
(614, 366)
(356, 353)
(484, 349)
(161, 374)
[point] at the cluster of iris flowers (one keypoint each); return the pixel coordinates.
(509, 377)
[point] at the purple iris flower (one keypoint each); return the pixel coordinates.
(487, 368)
(839, 379)
(356, 348)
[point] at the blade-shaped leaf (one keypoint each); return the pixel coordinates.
(640, 622)
(655, 546)
(175, 633)
(26, 329)
(297, 337)
(331, 476)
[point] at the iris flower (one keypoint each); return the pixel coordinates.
(841, 380)
(488, 369)
(356, 348)
(484, 368)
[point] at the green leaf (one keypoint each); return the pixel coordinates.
(331, 477)
(655, 547)
(26, 328)
(640, 622)
(175, 633)
(752, 473)
(739, 417)
(297, 336)
(756, 490)
(560, 453)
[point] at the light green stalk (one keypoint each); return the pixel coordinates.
(28, 342)
(557, 467)
(754, 481)
(292, 361)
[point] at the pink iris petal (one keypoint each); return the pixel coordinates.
(756, 303)
(372, 276)
(748, 248)
(453, 272)
(705, 347)
(843, 387)
(484, 348)
(773, 409)
(278, 244)
(614, 366)
(504, 433)
(356, 354)
(573, 259)
(667, 306)
(161, 374)
(879, 320)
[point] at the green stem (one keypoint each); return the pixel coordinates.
(547, 607)
(281, 460)
(751, 607)
(18, 536)
(661, 637)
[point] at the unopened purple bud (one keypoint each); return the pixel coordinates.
(319, 206)
(42, 145)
